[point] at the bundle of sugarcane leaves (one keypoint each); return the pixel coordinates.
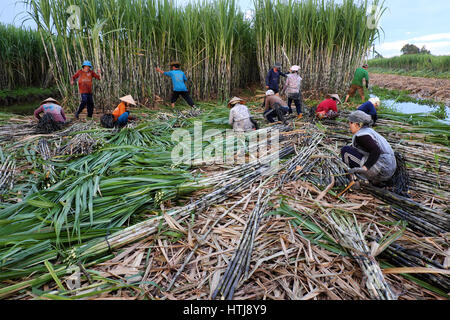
(420, 257)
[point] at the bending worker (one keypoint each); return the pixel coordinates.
(240, 117)
(327, 109)
(274, 107)
(52, 107)
(122, 113)
(357, 83)
(370, 107)
(369, 154)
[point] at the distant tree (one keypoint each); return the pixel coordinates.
(425, 51)
(410, 49)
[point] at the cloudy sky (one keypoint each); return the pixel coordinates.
(420, 22)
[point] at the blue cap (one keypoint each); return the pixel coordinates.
(86, 63)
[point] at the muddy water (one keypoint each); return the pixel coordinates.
(411, 108)
(24, 109)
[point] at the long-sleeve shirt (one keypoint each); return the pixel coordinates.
(369, 108)
(271, 100)
(293, 83)
(327, 105)
(273, 79)
(370, 146)
(178, 78)
(240, 118)
(55, 110)
(85, 80)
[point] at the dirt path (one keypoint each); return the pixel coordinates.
(423, 88)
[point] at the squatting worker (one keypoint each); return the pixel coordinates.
(292, 90)
(84, 76)
(327, 109)
(369, 154)
(52, 107)
(240, 117)
(357, 83)
(273, 78)
(274, 107)
(121, 114)
(370, 107)
(178, 81)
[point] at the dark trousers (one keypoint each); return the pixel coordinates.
(184, 94)
(297, 101)
(271, 114)
(351, 156)
(86, 101)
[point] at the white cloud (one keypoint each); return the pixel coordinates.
(438, 44)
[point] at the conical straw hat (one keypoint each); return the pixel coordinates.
(50, 99)
(234, 100)
(334, 95)
(128, 99)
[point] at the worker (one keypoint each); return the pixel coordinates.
(273, 78)
(52, 107)
(240, 117)
(357, 83)
(122, 112)
(274, 107)
(369, 155)
(84, 76)
(178, 84)
(292, 90)
(327, 109)
(370, 107)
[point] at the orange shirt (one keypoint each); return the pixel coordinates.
(85, 80)
(119, 111)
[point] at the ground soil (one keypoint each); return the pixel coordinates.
(422, 88)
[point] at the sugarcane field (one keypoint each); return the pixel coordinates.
(190, 150)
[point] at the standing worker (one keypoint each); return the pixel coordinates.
(273, 78)
(85, 75)
(122, 113)
(292, 90)
(178, 81)
(370, 107)
(357, 83)
(369, 154)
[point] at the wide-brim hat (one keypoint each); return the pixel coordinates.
(277, 65)
(295, 68)
(50, 99)
(235, 100)
(128, 99)
(335, 96)
(270, 92)
(174, 63)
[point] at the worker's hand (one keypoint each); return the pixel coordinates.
(267, 87)
(357, 170)
(71, 82)
(99, 71)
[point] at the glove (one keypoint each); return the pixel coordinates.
(357, 170)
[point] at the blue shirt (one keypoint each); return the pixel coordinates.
(178, 79)
(369, 108)
(273, 79)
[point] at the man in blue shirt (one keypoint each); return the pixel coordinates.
(179, 87)
(369, 107)
(273, 78)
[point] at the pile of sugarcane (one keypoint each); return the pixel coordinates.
(46, 124)
(80, 144)
(239, 266)
(421, 218)
(8, 166)
(349, 236)
(48, 169)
